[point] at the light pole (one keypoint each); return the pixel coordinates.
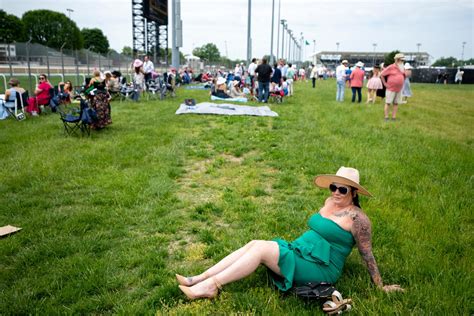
(462, 53)
(69, 10)
(62, 59)
(249, 40)
(290, 37)
(278, 32)
(375, 46)
(418, 54)
(271, 36)
(337, 44)
(283, 26)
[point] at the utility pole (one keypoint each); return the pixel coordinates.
(249, 39)
(271, 36)
(462, 53)
(278, 32)
(373, 60)
(69, 10)
(283, 28)
(177, 40)
(418, 54)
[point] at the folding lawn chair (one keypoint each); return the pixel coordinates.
(18, 111)
(73, 123)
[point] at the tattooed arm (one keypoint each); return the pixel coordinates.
(362, 232)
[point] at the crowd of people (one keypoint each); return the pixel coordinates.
(391, 83)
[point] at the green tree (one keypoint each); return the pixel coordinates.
(11, 28)
(95, 40)
(52, 29)
(447, 62)
(390, 57)
(127, 51)
(208, 52)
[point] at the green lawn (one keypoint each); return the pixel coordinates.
(108, 220)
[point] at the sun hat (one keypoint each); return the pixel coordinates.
(408, 66)
(235, 82)
(220, 81)
(360, 64)
(137, 63)
(14, 82)
(344, 62)
(400, 56)
(345, 175)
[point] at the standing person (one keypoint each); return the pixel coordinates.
(458, 77)
(148, 69)
(138, 79)
(237, 72)
(393, 77)
(381, 92)
(406, 91)
(318, 255)
(251, 69)
(357, 81)
(276, 77)
(341, 80)
(373, 85)
(313, 75)
(290, 76)
(264, 72)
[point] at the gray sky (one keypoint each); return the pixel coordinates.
(439, 25)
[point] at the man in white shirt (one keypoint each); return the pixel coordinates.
(341, 80)
(148, 68)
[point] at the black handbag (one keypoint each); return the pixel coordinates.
(312, 290)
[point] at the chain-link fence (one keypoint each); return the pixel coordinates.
(26, 61)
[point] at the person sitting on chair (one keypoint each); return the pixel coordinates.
(11, 94)
(42, 96)
(318, 255)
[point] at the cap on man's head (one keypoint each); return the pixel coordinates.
(344, 62)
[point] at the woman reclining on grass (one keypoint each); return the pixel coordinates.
(316, 256)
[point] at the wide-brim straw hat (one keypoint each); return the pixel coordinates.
(399, 56)
(220, 81)
(345, 175)
(360, 64)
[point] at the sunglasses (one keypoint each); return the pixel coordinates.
(41, 78)
(342, 190)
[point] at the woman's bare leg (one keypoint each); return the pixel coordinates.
(221, 265)
(260, 252)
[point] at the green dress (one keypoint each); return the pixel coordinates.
(316, 256)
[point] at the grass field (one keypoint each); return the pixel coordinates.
(108, 220)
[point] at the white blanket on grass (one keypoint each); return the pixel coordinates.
(225, 109)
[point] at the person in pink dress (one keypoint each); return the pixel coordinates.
(373, 85)
(357, 81)
(393, 78)
(42, 96)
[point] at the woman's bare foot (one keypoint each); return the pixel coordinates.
(205, 289)
(190, 281)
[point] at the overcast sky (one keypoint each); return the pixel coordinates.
(441, 26)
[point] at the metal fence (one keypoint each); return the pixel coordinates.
(29, 60)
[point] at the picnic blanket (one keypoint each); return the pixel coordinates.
(225, 109)
(214, 98)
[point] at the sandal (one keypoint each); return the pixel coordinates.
(332, 308)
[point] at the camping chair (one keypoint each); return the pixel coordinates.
(75, 123)
(18, 111)
(153, 89)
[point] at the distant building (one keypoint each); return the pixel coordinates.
(333, 58)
